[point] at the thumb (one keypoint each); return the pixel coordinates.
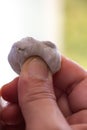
(37, 98)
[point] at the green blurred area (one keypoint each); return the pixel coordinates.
(76, 31)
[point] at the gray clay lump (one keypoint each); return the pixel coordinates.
(28, 47)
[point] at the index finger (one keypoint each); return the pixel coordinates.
(69, 74)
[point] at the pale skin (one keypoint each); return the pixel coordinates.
(36, 97)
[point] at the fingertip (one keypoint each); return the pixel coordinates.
(9, 91)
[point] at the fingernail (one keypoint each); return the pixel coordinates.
(36, 68)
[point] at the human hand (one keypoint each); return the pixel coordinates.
(10, 113)
(40, 109)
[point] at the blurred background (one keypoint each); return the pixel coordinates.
(75, 34)
(63, 22)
